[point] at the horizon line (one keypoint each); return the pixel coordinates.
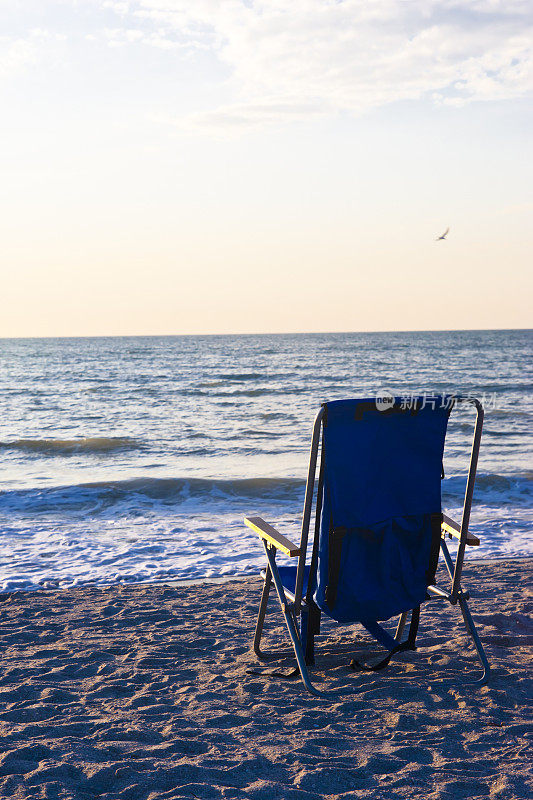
(256, 333)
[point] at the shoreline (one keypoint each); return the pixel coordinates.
(178, 582)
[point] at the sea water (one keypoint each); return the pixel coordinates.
(135, 459)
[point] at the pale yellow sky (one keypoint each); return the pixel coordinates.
(148, 188)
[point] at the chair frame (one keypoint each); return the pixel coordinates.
(293, 604)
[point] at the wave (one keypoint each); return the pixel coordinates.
(267, 416)
(141, 495)
(136, 495)
(514, 489)
(213, 389)
(245, 376)
(66, 447)
(513, 413)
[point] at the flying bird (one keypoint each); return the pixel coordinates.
(444, 235)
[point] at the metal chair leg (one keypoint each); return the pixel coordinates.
(262, 613)
(291, 626)
(309, 627)
(401, 625)
(471, 628)
(469, 622)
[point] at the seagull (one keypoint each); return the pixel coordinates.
(444, 235)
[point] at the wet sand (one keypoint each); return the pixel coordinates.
(141, 692)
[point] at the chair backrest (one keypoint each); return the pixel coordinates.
(380, 506)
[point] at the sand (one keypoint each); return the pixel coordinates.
(142, 692)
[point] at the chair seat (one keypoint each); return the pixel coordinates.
(288, 579)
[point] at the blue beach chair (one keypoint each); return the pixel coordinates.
(379, 526)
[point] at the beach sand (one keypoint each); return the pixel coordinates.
(142, 692)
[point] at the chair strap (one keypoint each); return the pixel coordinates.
(336, 537)
(409, 644)
(436, 523)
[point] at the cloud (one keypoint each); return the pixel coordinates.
(19, 53)
(273, 61)
(306, 58)
(227, 120)
(121, 37)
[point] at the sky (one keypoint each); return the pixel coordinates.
(178, 167)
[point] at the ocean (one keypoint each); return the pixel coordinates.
(135, 459)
